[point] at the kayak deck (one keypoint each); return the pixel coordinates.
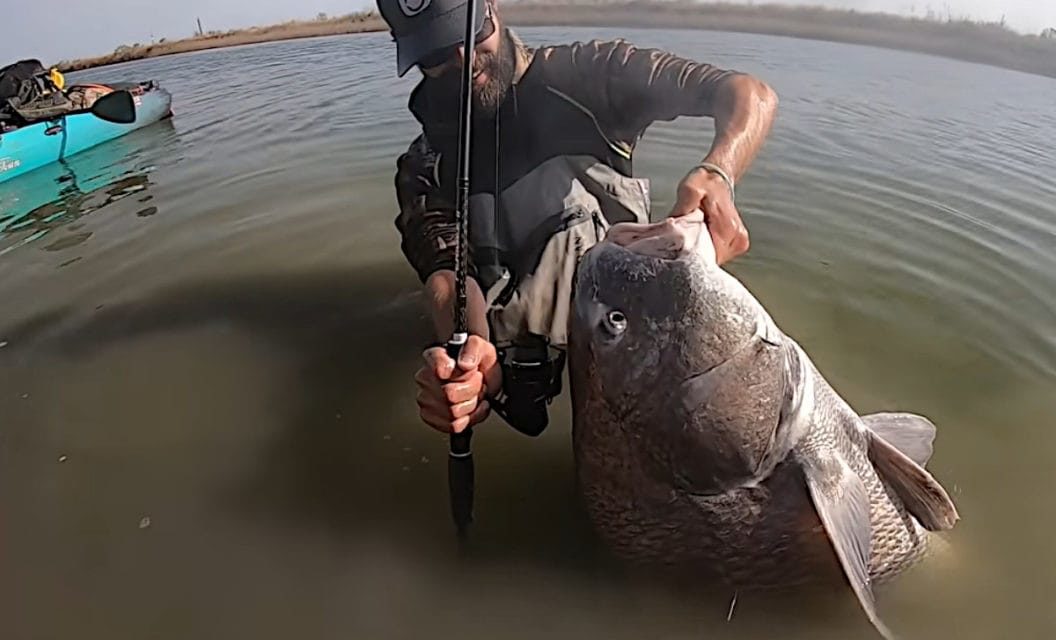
(31, 147)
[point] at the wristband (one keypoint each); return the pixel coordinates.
(719, 171)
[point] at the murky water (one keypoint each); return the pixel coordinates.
(209, 336)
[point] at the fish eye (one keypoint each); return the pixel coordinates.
(616, 322)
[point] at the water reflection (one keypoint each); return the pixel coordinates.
(58, 195)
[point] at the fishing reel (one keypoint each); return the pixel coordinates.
(531, 379)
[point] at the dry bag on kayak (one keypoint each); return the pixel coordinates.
(27, 94)
(14, 76)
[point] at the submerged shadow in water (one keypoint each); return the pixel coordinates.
(354, 334)
(355, 338)
(59, 194)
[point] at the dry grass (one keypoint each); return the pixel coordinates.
(291, 30)
(987, 43)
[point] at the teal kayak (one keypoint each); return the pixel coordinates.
(41, 143)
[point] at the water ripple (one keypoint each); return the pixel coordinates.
(942, 186)
(903, 225)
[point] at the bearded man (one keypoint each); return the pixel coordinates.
(553, 132)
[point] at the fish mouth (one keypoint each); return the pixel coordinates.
(678, 238)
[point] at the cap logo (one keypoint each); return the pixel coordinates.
(411, 8)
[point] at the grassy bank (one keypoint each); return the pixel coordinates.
(291, 30)
(986, 43)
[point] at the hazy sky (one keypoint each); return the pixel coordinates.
(56, 29)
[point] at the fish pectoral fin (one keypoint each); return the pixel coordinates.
(842, 503)
(921, 493)
(910, 433)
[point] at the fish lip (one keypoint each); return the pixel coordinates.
(673, 239)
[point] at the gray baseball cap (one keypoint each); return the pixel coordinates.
(421, 27)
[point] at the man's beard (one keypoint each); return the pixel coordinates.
(500, 67)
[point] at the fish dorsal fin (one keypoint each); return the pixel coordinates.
(921, 493)
(910, 433)
(842, 503)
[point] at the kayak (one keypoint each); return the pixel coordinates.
(41, 143)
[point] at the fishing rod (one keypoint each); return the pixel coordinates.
(460, 454)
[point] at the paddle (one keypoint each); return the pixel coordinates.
(117, 107)
(460, 458)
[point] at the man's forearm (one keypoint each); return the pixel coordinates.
(744, 112)
(440, 293)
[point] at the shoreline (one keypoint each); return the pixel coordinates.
(291, 30)
(983, 43)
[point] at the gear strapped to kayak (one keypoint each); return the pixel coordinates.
(41, 123)
(29, 92)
